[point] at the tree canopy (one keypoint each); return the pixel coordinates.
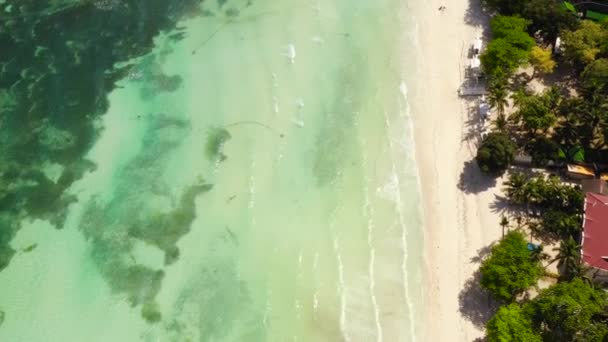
(560, 224)
(495, 153)
(506, 7)
(542, 150)
(510, 47)
(510, 269)
(536, 114)
(594, 78)
(583, 45)
(547, 18)
(541, 60)
(511, 324)
(567, 312)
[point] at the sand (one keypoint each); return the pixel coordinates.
(460, 221)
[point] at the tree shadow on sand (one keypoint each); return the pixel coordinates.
(481, 254)
(501, 205)
(476, 304)
(476, 16)
(472, 181)
(473, 123)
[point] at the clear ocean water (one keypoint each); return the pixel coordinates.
(255, 180)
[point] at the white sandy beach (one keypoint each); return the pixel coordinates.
(459, 222)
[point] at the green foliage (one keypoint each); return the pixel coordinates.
(505, 7)
(582, 46)
(568, 257)
(583, 122)
(509, 48)
(594, 78)
(515, 188)
(542, 150)
(548, 19)
(545, 16)
(495, 153)
(559, 206)
(506, 26)
(510, 269)
(497, 96)
(568, 312)
(510, 324)
(560, 224)
(541, 60)
(536, 114)
(550, 193)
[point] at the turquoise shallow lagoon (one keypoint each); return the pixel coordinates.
(255, 180)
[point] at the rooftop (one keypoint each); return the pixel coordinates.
(594, 243)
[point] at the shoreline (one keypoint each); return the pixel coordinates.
(458, 223)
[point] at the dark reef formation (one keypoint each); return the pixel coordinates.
(56, 68)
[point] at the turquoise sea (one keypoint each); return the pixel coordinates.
(250, 176)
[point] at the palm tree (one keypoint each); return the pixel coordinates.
(553, 98)
(568, 257)
(504, 222)
(497, 97)
(537, 254)
(520, 96)
(515, 187)
(501, 123)
(583, 271)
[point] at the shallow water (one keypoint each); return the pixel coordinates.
(255, 181)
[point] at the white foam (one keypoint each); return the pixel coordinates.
(290, 53)
(399, 206)
(268, 309)
(341, 290)
(252, 188)
(317, 40)
(275, 82)
(369, 212)
(275, 102)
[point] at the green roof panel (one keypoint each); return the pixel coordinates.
(568, 6)
(596, 16)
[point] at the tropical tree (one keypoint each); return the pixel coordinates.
(520, 95)
(536, 114)
(541, 60)
(510, 323)
(547, 19)
(510, 47)
(558, 223)
(497, 96)
(570, 129)
(542, 150)
(504, 223)
(582, 46)
(568, 311)
(501, 123)
(538, 254)
(568, 257)
(509, 270)
(514, 187)
(495, 153)
(594, 78)
(505, 7)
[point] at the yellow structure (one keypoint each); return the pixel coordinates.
(580, 172)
